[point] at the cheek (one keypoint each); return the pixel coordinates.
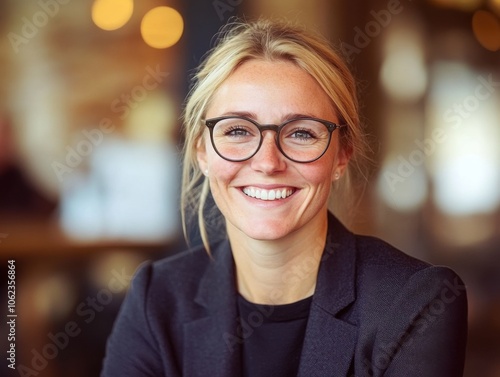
(321, 171)
(320, 177)
(220, 171)
(220, 177)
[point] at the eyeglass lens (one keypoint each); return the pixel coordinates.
(300, 140)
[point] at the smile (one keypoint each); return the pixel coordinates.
(263, 194)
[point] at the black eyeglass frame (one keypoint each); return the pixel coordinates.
(211, 123)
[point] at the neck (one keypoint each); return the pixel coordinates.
(279, 271)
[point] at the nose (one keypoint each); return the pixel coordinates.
(268, 159)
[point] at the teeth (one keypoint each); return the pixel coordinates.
(268, 194)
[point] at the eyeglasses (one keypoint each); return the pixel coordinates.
(300, 140)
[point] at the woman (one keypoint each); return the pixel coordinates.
(272, 131)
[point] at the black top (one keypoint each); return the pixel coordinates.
(272, 337)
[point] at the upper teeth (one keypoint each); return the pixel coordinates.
(268, 194)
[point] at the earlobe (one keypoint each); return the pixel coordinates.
(342, 161)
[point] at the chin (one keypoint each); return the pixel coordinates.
(265, 231)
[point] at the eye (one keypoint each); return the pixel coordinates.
(236, 131)
(302, 134)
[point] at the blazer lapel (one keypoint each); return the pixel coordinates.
(211, 343)
(331, 336)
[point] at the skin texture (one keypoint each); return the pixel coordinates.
(269, 238)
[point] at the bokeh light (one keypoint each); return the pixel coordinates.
(403, 74)
(467, 184)
(465, 167)
(154, 120)
(406, 194)
(112, 14)
(162, 27)
(486, 27)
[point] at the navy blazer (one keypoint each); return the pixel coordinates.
(375, 312)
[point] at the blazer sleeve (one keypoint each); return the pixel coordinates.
(131, 348)
(425, 330)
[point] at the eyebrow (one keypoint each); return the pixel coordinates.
(254, 117)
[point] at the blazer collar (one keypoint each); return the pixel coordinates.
(335, 288)
(330, 339)
(212, 343)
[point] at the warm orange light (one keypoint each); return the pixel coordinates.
(112, 14)
(162, 27)
(495, 4)
(486, 27)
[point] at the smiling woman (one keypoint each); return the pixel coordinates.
(272, 133)
(273, 92)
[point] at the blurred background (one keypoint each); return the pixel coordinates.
(90, 98)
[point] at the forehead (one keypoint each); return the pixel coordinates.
(271, 90)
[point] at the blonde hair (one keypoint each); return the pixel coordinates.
(268, 40)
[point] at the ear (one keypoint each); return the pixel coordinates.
(201, 154)
(343, 158)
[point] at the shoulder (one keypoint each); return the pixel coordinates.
(180, 272)
(381, 273)
(408, 310)
(377, 259)
(387, 278)
(188, 264)
(379, 256)
(160, 300)
(372, 257)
